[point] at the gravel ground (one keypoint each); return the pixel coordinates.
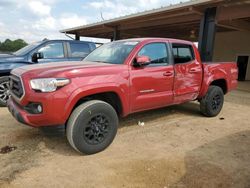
(177, 147)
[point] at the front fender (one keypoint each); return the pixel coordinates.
(96, 89)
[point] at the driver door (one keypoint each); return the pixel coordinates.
(152, 85)
(52, 52)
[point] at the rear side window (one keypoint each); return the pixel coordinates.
(79, 49)
(183, 53)
(157, 52)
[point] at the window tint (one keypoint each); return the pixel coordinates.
(79, 49)
(54, 50)
(157, 52)
(183, 53)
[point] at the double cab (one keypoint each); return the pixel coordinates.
(115, 80)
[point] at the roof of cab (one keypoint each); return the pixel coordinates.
(65, 40)
(157, 39)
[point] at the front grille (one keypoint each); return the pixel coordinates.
(16, 86)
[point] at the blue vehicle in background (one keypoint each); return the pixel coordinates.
(45, 51)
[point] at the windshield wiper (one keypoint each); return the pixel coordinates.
(102, 62)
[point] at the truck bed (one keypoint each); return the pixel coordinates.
(226, 71)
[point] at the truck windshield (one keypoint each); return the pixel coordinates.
(113, 53)
(26, 49)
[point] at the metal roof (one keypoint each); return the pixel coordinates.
(175, 21)
(147, 12)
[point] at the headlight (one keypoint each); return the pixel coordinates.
(48, 84)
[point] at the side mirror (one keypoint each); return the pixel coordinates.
(36, 56)
(141, 61)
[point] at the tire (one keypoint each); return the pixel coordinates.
(92, 127)
(212, 103)
(4, 90)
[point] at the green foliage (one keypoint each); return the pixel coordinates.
(12, 46)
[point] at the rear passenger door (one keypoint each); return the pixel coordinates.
(188, 73)
(78, 50)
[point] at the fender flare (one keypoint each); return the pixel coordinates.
(214, 75)
(89, 90)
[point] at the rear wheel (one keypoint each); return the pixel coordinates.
(4, 90)
(212, 103)
(92, 127)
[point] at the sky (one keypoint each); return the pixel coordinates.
(34, 20)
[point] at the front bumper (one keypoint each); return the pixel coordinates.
(13, 109)
(56, 106)
(34, 120)
(16, 111)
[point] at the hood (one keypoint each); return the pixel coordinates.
(9, 58)
(60, 69)
(5, 55)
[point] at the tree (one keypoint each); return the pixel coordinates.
(12, 46)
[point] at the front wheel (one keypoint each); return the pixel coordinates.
(92, 127)
(212, 103)
(4, 90)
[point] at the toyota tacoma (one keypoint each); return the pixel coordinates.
(115, 80)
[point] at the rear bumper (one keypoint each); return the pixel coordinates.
(234, 85)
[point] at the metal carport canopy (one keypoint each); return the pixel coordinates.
(176, 21)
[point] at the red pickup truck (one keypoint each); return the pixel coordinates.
(115, 80)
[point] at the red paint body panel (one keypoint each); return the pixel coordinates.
(216, 71)
(139, 89)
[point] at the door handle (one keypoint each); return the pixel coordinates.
(194, 70)
(168, 73)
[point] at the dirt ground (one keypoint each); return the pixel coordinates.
(176, 148)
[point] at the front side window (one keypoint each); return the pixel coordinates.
(53, 50)
(157, 52)
(183, 53)
(79, 49)
(113, 52)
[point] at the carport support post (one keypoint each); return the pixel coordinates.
(77, 37)
(116, 34)
(207, 34)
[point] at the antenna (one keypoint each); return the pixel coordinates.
(102, 16)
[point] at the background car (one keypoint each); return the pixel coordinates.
(40, 52)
